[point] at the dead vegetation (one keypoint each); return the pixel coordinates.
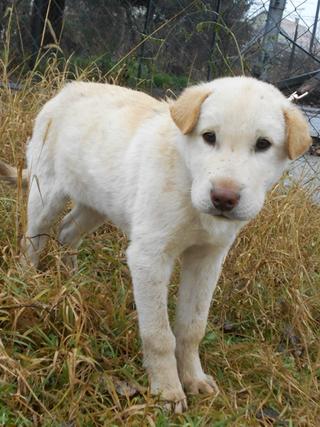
(69, 346)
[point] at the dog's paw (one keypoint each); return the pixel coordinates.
(70, 263)
(177, 407)
(26, 264)
(204, 384)
(172, 399)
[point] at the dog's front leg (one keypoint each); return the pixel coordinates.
(151, 274)
(201, 267)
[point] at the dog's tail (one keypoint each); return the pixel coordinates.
(10, 175)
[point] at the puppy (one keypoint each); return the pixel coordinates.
(181, 178)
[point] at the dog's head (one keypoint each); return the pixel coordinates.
(237, 135)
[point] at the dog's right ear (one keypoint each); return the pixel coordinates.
(185, 110)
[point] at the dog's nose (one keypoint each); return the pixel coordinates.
(224, 199)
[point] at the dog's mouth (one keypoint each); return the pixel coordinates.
(232, 215)
(229, 216)
(223, 216)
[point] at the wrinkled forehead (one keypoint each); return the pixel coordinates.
(244, 107)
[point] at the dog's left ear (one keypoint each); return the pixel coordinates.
(185, 110)
(298, 134)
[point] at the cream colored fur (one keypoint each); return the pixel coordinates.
(143, 164)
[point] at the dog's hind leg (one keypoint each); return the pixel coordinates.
(78, 222)
(45, 202)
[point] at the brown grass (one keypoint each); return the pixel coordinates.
(69, 347)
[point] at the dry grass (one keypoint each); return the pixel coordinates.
(68, 345)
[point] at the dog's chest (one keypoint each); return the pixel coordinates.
(219, 231)
(203, 230)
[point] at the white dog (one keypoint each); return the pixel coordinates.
(179, 177)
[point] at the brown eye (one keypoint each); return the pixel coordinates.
(209, 137)
(262, 144)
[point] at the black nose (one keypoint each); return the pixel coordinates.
(224, 199)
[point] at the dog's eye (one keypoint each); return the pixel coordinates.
(262, 144)
(209, 137)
